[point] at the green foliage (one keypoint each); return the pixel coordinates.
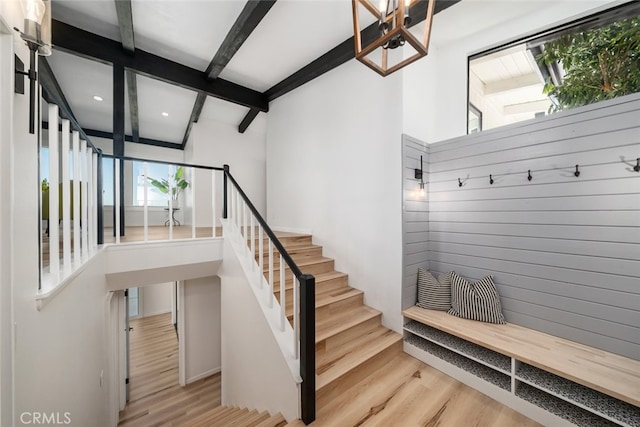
(600, 63)
(45, 185)
(178, 182)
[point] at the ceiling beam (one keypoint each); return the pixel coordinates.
(346, 51)
(92, 46)
(129, 138)
(195, 116)
(512, 83)
(248, 119)
(125, 23)
(539, 106)
(53, 94)
(340, 54)
(249, 18)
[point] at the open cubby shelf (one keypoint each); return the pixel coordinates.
(561, 408)
(584, 396)
(473, 351)
(479, 370)
(575, 403)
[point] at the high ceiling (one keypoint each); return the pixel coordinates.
(245, 53)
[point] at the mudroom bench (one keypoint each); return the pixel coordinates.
(549, 379)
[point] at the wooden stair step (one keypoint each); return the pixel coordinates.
(315, 265)
(276, 420)
(244, 419)
(228, 418)
(334, 322)
(339, 361)
(296, 253)
(256, 419)
(287, 239)
(211, 417)
(345, 296)
(329, 280)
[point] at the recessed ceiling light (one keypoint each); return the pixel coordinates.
(165, 114)
(97, 98)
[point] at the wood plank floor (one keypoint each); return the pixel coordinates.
(156, 397)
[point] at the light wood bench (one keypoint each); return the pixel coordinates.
(519, 356)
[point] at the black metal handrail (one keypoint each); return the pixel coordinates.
(307, 308)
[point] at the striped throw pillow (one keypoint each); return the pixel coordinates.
(434, 294)
(476, 301)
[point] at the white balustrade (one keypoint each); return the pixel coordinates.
(270, 288)
(54, 217)
(66, 198)
(116, 198)
(283, 298)
(145, 202)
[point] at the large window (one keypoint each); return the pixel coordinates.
(586, 61)
(154, 196)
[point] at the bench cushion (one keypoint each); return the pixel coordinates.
(434, 294)
(475, 301)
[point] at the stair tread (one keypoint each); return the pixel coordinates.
(344, 359)
(306, 261)
(273, 421)
(326, 297)
(331, 324)
(320, 278)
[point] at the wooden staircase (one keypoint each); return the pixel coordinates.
(351, 342)
(228, 416)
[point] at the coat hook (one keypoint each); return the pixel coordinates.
(459, 183)
(637, 166)
(577, 172)
(529, 177)
(490, 180)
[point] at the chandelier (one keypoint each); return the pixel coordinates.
(376, 44)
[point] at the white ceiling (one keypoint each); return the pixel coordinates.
(292, 34)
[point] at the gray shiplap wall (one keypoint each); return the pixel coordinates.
(564, 251)
(415, 217)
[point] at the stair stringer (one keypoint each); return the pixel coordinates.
(258, 367)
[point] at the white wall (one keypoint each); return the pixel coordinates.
(255, 372)
(334, 166)
(6, 105)
(202, 327)
(156, 299)
(435, 87)
(214, 143)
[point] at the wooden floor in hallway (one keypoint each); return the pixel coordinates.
(156, 397)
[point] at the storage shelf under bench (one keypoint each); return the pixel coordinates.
(576, 403)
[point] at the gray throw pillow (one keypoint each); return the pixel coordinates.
(434, 294)
(476, 301)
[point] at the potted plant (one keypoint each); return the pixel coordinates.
(178, 184)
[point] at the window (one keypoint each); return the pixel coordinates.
(154, 196)
(586, 61)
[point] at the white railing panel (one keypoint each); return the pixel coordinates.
(296, 317)
(66, 197)
(145, 203)
(90, 201)
(171, 184)
(83, 201)
(270, 287)
(116, 198)
(75, 142)
(193, 203)
(213, 204)
(261, 252)
(93, 231)
(253, 240)
(283, 297)
(54, 217)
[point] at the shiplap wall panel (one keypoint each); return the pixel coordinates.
(415, 218)
(564, 250)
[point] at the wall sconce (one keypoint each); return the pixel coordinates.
(37, 34)
(419, 174)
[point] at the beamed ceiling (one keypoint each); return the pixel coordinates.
(219, 60)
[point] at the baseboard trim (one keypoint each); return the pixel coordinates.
(204, 375)
(293, 230)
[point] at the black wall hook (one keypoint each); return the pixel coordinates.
(490, 180)
(637, 166)
(529, 177)
(577, 172)
(459, 183)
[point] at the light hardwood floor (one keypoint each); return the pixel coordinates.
(156, 397)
